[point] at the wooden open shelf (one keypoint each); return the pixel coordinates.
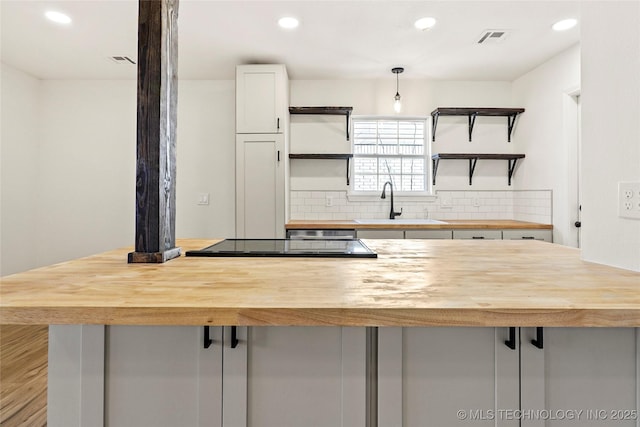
(472, 113)
(334, 111)
(345, 156)
(473, 158)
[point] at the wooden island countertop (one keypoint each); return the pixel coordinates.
(411, 283)
(449, 224)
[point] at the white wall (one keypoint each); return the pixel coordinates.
(68, 166)
(551, 161)
(610, 128)
(86, 191)
(19, 156)
(206, 159)
(324, 134)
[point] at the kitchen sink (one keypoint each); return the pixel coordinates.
(399, 221)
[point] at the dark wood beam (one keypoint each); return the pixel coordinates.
(156, 135)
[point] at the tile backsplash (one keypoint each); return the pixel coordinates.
(523, 205)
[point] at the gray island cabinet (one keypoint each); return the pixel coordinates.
(162, 376)
(280, 376)
(408, 339)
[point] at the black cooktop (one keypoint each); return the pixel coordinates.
(286, 248)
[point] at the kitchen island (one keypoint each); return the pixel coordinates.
(411, 283)
(457, 318)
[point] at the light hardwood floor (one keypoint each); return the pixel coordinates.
(23, 375)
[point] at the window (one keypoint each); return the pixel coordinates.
(389, 149)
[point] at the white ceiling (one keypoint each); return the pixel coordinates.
(335, 39)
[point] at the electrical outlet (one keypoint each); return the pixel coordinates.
(629, 200)
(328, 201)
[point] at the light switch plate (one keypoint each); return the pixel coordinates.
(203, 198)
(629, 200)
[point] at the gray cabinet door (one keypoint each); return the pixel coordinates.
(446, 376)
(380, 234)
(478, 234)
(261, 98)
(260, 186)
(590, 374)
(295, 376)
(162, 376)
(428, 234)
(545, 235)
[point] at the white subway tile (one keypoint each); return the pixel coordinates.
(314, 202)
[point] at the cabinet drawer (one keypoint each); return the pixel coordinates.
(428, 234)
(478, 234)
(546, 235)
(380, 234)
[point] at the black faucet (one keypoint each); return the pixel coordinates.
(392, 213)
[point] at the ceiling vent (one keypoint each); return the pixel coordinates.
(492, 36)
(122, 60)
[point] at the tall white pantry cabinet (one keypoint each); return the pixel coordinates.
(262, 141)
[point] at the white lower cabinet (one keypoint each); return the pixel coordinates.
(445, 376)
(478, 234)
(162, 376)
(273, 377)
(380, 234)
(295, 376)
(428, 234)
(544, 235)
(460, 376)
(581, 376)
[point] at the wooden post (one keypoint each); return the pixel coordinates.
(156, 136)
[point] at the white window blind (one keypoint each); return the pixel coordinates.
(389, 150)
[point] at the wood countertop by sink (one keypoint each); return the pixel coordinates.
(458, 224)
(411, 283)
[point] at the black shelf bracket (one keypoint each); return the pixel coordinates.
(349, 115)
(511, 120)
(435, 162)
(472, 169)
(207, 338)
(434, 122)
(512, 167)
(472, 122)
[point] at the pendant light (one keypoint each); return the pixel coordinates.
(397, 104)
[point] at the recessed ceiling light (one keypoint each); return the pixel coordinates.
(565, 24)
(425, 23)
(58, 17)
(288, 22)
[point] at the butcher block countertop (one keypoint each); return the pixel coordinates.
(411, 283)
(458, 224)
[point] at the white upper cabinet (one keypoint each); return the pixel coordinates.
(262, 98)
